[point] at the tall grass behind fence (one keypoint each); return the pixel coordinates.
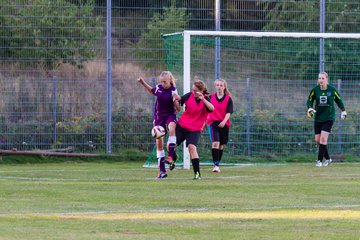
(52, 75)
(53, 62)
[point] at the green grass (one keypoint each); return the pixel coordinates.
(83, 200)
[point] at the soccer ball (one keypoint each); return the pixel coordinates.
(158, 132)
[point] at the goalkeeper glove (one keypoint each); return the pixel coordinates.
(343, 115)
(311, 112)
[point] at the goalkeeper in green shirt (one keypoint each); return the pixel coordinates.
(324, 96)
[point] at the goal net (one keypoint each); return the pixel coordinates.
(270, 76)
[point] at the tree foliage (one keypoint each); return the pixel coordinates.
(241, 16)
(304, 16)
(49, 32)
(300, 15)
(150, 46)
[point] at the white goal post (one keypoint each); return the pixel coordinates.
(187, 53)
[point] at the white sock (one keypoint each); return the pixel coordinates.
(171, 139)
(160, 154)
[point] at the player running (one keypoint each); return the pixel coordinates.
(164, 115)
(219, 121)
(192, 121)
(324, 96)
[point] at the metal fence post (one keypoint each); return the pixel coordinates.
(54, 112)
(322, 41)
(108, 77)
(217, 39)
(248, 144)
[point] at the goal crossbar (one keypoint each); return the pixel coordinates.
(266, 34)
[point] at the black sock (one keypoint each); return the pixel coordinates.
(172, 150)
(196, 165)
(322, 149)
(215, 156)
(326, 154)
(162, 164)
(220, 154)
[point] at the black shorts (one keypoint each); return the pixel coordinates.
(323, 126)
(190, 137)
(218, 134)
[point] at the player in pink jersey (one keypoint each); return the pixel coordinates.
(164, 115)
(219, 121)
(192, 121)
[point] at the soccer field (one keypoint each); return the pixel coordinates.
(124, 201)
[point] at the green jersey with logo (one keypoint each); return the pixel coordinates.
(324, 103)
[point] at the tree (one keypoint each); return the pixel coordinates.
(300, 15)
(150, 47)
(49, 32)
(241, 16)
(304, 16)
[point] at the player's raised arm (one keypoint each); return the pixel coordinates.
(209, 106)
(147, 86)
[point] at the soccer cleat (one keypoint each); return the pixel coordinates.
(216, 169)
(171, 161)
(327, 162)
(197, 176)
(318, 163)
(172, 165)
(162, 175)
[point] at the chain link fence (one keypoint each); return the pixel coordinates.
(53, 67)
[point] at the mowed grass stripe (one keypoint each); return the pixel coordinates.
(282, 214)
